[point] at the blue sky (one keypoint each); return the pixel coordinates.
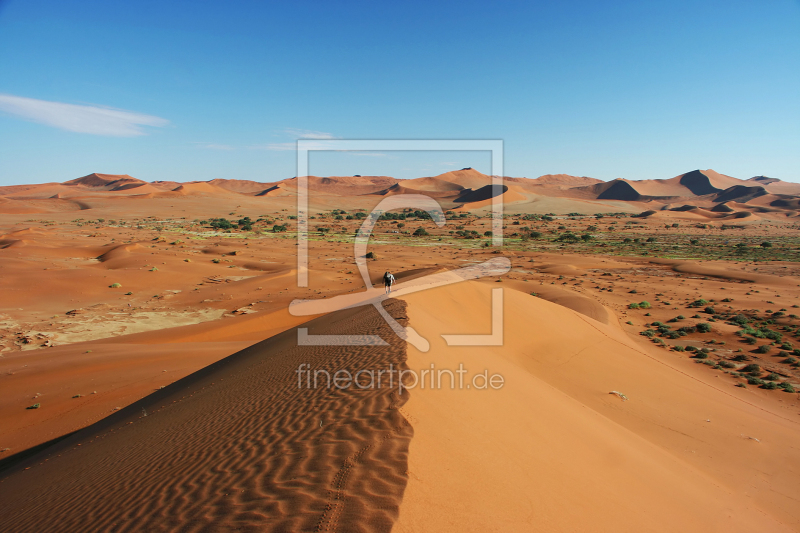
(203, 90)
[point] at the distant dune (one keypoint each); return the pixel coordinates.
(459, 189)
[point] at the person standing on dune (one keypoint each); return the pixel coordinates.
(388, 281)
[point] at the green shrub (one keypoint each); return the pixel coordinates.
(787, 386)
(568, 238)
(702, 327)
(769, 385)
(420, 232)
(752, 369)
(764, 348)
(679, 348)
(644, 305)
(115, 285)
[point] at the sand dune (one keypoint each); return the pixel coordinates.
(237, 445)
(467, 178)
(274, 191)
(345, 185)
(234, 446)
(569, 299)
(553, 450)
(691, 184)
(548, 193)
(397, 188)
(240, 186)
(559, 181)
(118, 256)
(692, 267)
(740, 193)
(105, 181)
(483, 197)
(432, 185)
(200, 188)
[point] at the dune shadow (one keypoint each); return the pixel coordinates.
(239, 445)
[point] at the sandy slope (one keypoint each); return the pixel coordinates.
(554, 451)
(235, 446)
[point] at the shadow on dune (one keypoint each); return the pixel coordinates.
(235, 446)
(486, 192)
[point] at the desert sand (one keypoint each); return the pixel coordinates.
(163, 360)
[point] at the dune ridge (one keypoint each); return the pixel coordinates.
(236, 445)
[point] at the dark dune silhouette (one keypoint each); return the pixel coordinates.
(722, 208)
(617, 190)
(740, 194)
(486, 192)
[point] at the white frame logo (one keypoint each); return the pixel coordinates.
(373, 296)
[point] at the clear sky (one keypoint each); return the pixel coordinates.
(202, 90)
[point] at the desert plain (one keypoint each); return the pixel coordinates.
(649, 356)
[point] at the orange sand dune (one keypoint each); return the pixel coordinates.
(691, 267)
(234, 446)
(201, 188)
(466, 178)
(559, 181)
(118, 256)
(569, 299)
(553, 450)
(560, 193)
(400, 188)
(343, 185)
(782, 187)
(432, 185)
(240, 186)
(107, 181)
(276, 190)
(483, 197)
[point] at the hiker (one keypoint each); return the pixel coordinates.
(388, 281)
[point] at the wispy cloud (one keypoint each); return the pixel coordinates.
(307, 134)
(295, 133)
(95, 120)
